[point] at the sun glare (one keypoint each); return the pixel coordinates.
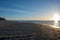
(56, 19)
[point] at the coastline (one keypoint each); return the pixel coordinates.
(8, 28)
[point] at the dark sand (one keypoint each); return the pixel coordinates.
(41, 32)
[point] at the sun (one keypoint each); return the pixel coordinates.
(56, 19)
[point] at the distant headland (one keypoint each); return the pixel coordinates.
(2, 19)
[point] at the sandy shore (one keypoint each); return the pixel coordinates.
(23, 28)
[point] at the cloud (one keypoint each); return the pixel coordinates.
(13, 10)
(20, 6)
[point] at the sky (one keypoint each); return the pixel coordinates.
(29, 9)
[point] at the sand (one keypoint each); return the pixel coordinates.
(42, 32)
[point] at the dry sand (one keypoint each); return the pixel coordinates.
(43, 32)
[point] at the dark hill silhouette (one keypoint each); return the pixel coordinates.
(1, 19)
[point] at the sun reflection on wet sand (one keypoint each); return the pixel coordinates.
(55, 26)
(56, 20)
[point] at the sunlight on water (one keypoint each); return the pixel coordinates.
(55, 26)
(56, 20)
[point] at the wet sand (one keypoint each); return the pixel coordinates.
(41, 32)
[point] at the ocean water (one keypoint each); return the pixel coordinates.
(37, 21)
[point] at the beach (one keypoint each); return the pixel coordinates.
(40, 31)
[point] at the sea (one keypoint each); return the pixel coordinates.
(48, 22)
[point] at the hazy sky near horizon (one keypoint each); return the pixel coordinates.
(29, 9)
